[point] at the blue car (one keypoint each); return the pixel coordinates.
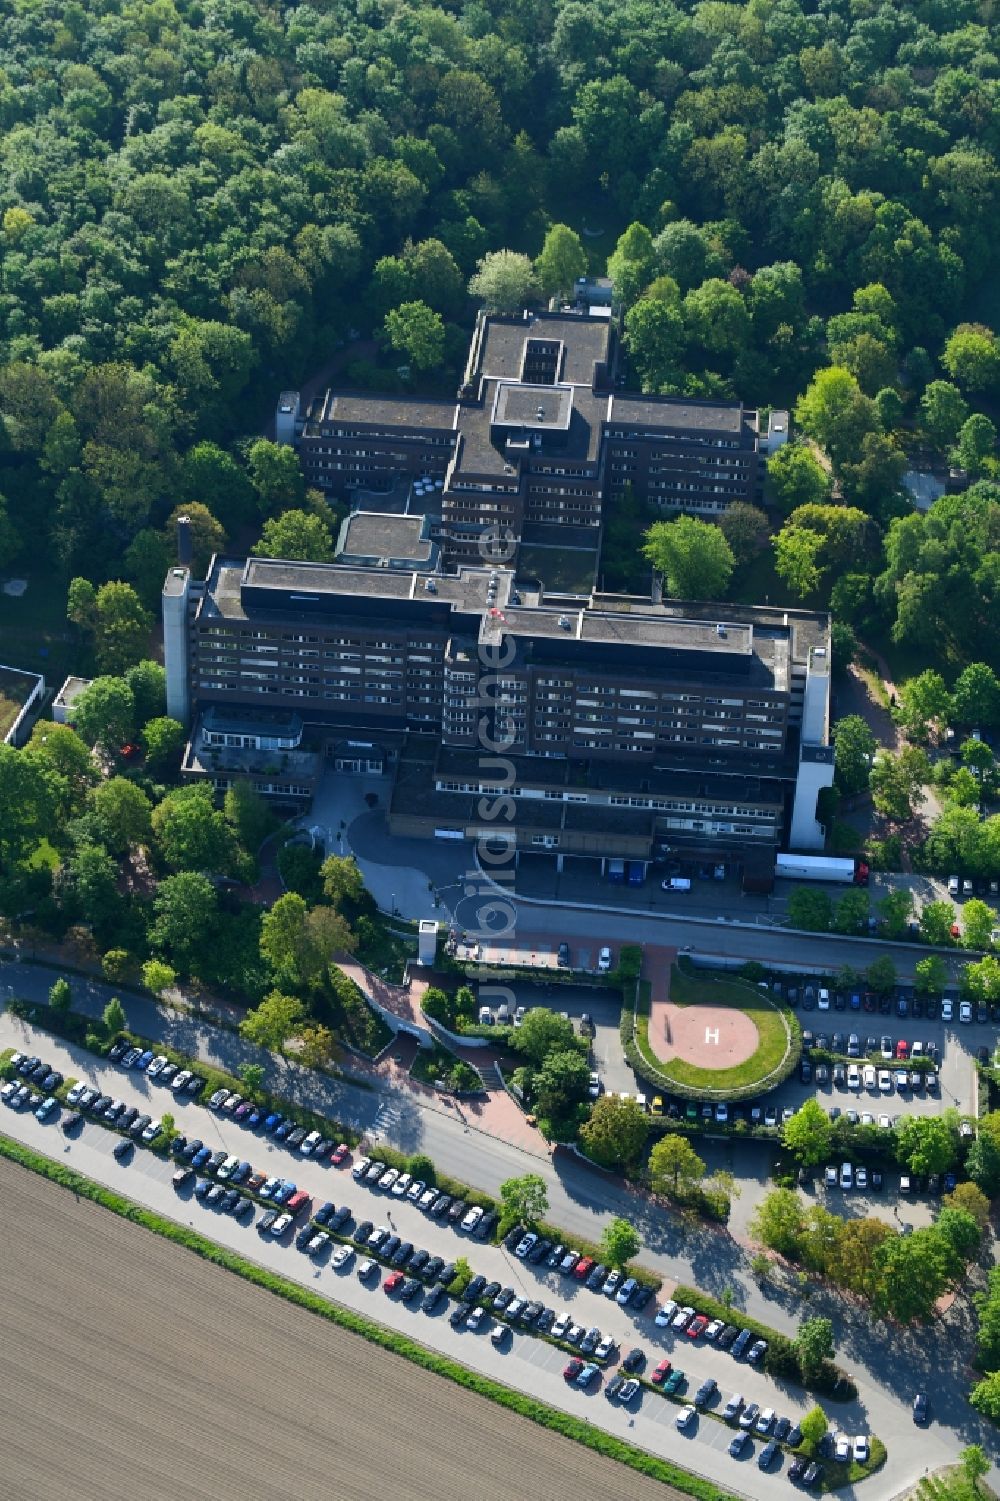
(145, 1059)
(200, 1158)
(284, 1130)
(273, 1121)
(46, 1108)
(950, 1182)
(202, 1187)
(283, 1192)
(253, 1119)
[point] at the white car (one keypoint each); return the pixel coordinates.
(604, 1347)
(861, 1449)
(151, 1131)
(342, 1256)
(594, 1086)
(665, 1314)
(308, 1144)
(823, 1001)
(74, 1094)
(604, 961)
(830, 1176)
(685, 1418)
(367, 1268)
(560, 1325)
(861, 1177)
(525, 1244)
(519, 1015)
(388, 1178)
(885, 1081)
(842, 1448)
(471, 1220)
(227, 1169)
(947, 1010)
(181, 1080)
(714, 1329)
(853, 1077)
(157, 1066)
(847, 1175)
(401, 1185)
(869, 1076)
(885, 1124)
(682, 1318)
(965, 1012)
(361, 1167)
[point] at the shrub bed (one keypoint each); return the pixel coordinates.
(539, 1412)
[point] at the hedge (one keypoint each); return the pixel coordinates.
(569, 1426)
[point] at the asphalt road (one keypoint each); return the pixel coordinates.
(581, 1202)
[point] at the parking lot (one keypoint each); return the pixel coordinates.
(527, 1363)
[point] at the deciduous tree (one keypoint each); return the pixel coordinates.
(675, 1168)
(524, 1199)
(619, 1243)
(616, 1132)
(693, 556)
(295, 534)
(274, 1021)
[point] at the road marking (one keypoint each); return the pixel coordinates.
(712, 1035)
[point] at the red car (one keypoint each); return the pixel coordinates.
(902, 1048)
(129, 752)
(661, 1373)
(583, 1268)
(697, 1326)
(572, 1369)
(393, 1281)
(340, 1154)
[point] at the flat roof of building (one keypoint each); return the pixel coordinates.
(70, 691)
(238, 586)
(373, 534)
(586, 342)
(521, 405)
(374, 409)
(669, 412)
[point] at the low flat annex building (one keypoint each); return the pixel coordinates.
(539, 433)
(629, 727)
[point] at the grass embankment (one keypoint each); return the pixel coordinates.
(538, 1412)
(775, 1056)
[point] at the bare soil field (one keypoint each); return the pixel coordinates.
(130, 1368)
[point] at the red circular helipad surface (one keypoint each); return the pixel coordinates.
(708, 1036)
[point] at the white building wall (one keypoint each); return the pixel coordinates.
(176, 593)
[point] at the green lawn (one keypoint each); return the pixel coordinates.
(776, 1049)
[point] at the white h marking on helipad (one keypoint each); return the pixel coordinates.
(712, 1035)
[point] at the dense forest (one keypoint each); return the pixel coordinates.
(202, 203)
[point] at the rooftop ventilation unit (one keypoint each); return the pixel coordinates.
(430, 587)
(565, 622)
(720, 630)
